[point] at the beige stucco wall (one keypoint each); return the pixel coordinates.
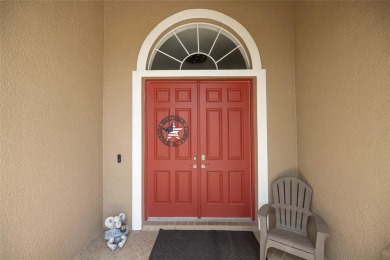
(127, 24)
(53, 82)
(51, 128)
(342, 64)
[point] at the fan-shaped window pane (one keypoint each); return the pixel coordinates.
(206, 38)
(163, 62)
(198, 47)
(173, 48)
(189, 39)
(222, 46)
(232, 61)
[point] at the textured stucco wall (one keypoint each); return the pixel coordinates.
(127, 24)
(51, 128)
(342, 64)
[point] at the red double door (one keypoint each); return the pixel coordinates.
(198, 148)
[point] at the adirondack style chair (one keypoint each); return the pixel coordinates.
(292, 199)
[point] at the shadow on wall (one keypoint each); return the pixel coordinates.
(311, 226)
(293, 172)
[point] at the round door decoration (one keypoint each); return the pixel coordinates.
(173, 131)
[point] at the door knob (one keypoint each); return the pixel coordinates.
(204, 166)
(194, 166)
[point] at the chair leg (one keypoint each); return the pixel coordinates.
(263, 238)
(263, 249)
(262, 254)
(319, 252)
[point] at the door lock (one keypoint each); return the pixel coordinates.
(203, 157)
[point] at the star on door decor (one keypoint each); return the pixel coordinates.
(173, 131)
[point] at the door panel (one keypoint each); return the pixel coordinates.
(213, 121)
(219, 127)
(170, 181)
(225, 106)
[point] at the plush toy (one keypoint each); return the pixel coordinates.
(116, 235)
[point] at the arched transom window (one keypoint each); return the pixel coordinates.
(198, 46)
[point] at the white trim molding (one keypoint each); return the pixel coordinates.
(256, 72)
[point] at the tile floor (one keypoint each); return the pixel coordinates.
(139, 244)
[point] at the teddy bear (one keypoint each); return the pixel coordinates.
(116, 235)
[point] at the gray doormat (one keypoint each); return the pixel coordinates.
(204, 245)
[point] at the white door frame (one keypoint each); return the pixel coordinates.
(256, 72)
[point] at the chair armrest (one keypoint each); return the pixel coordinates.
(264, 210)
(321, 226)
(262, 214)
(322, 234)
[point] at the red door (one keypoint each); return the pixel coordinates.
(198, 157)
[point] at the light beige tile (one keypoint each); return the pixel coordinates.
(233, 223)
(132, 256)
(234, 228)
(204, 227)
(100, 251)
(140, 241)
(99, 257)
(92, 246)
(109, 256)
(83, 255)
(122, 251)
(170, 227)
(223, 227)
(145, 257)
(186, 227)
(146, 251)
(135, 248)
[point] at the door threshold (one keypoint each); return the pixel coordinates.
(232, 224)
(195, 219)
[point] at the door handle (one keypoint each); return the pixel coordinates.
(204, 166)
(194, 166)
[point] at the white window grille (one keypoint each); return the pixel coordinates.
(198, 46)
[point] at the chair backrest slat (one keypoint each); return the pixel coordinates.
(282, 201)
(287, 192)
(306, 205)
(292, 198)
(301, 196)
(275, 192)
